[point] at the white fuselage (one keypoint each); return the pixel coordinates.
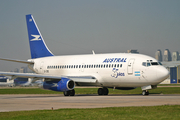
(110, 70)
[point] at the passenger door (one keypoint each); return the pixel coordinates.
(130, 66)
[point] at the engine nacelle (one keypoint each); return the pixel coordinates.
(62, 85)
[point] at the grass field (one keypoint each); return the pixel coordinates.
(165, 112)
(159, 90)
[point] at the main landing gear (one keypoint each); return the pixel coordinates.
(69, 93)
(145, 92)
(103, 91)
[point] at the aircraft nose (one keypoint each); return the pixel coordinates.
(162, 73)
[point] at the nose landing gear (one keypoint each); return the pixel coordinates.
(145, 92)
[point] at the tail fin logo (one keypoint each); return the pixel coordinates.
(36, 38)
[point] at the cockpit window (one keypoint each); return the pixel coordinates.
(160, 63)
(144, 63)
(154, 63)
(149, 63)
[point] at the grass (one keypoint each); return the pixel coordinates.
(165, 112)
(164, 90)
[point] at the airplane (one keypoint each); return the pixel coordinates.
(4, 81)
(122, 71)
(22, 82)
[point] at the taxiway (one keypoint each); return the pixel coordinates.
(49, 101)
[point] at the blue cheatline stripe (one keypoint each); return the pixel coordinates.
(137, 74)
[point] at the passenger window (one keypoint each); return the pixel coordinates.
(117, 65)
(79, 66)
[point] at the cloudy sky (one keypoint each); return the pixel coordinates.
(80, 26)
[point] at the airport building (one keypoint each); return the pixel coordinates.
(174, 75)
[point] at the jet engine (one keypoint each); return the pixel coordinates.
(62, 85)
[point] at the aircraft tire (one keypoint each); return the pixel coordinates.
(100, 91)
(66, 93)
(105, 91)
(147, 93)
(72, 92)
(144, 92)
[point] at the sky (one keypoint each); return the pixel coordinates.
(71, 27)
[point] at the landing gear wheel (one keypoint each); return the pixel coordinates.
(103, 91)
(100, 91)
(69, 93)
(145, 92)
(66, 93)
(72, 92)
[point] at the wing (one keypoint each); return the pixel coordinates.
(78, 79)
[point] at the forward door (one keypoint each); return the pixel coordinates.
(130, 66)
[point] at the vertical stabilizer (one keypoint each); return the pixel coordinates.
(38, 47)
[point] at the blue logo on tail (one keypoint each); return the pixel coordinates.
(36, 37)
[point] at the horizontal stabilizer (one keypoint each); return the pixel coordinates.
(19, 61)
